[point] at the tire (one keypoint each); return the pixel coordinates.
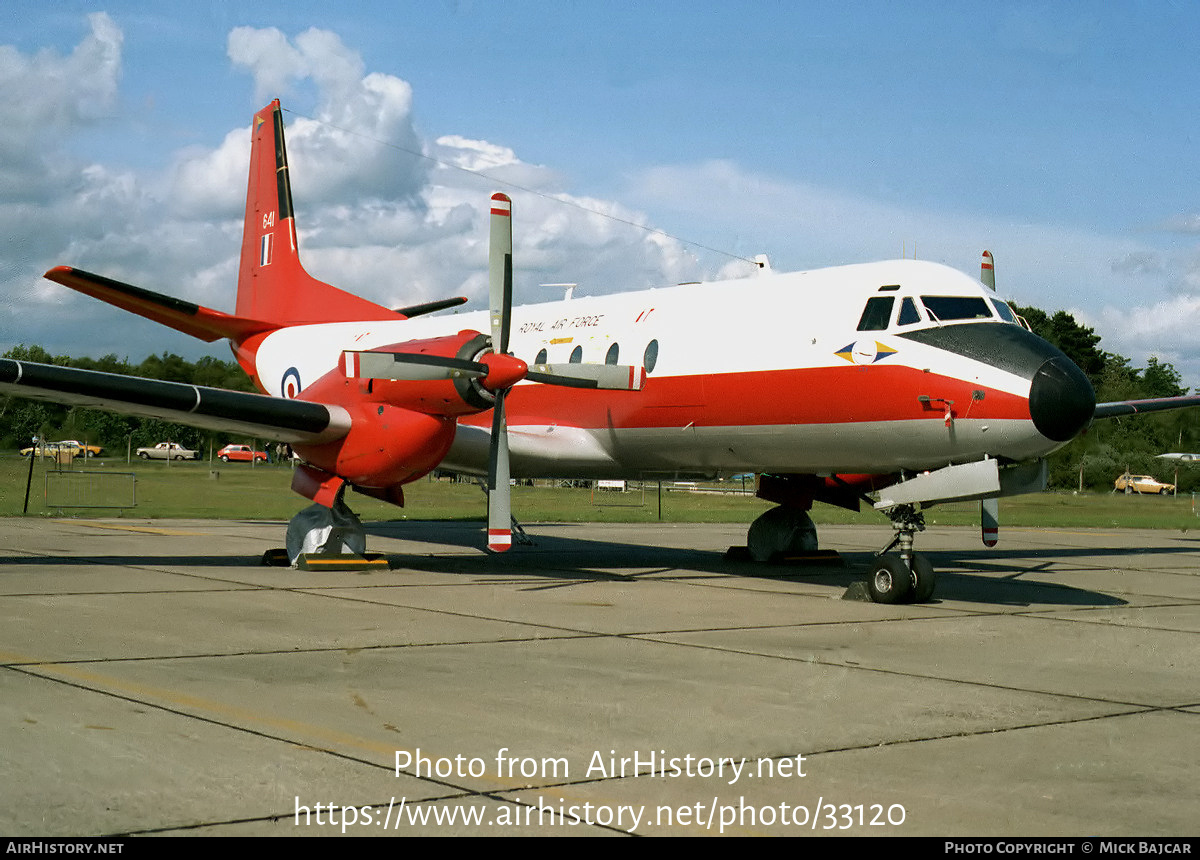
(143, 455)
(224, 458)
(924, 579)
(890, 581)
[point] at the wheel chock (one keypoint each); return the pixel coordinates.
(342, 561)
(326, 561)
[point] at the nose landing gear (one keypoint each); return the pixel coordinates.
(904, 577)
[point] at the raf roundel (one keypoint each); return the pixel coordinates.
(290, 385)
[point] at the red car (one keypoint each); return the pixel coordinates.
(240, 454)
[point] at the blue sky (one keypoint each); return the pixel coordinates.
(1062, 136)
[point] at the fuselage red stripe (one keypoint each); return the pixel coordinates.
(828, 395)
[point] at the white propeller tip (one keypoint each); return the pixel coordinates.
(499, 540)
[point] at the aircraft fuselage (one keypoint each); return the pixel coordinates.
(868, 368)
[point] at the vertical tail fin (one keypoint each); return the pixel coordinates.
(272, 285)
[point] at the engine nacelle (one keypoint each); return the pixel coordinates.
(386, 446)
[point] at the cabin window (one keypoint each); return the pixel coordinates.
(876, 314)
(946, 308)
(611, 356)
(541, 356)
(651, 357)
(1004, 310)
(908, 313)
(576, 355)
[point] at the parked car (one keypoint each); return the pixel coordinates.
(45, 449)
(1143, 484)
(241, 454)
(81, 448)
(167, 451)
(53, 449)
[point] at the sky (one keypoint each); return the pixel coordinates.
(1062, 136)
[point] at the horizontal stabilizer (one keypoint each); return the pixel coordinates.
(258, 415)
(1154, 404)
(430, 307)
(189, 318)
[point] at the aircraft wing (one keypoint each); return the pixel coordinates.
(1154, 404)
(258, 415)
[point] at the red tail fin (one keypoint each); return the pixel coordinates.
(272, 285)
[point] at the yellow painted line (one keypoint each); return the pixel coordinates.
(113, 526)
(245, 718)
(303, 734)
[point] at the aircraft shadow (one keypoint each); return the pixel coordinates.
(563, 561)
(1008, 577)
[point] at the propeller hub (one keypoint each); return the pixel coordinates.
(504, 371)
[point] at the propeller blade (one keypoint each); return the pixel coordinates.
(500, 271)
(409, 366)
(610, 377)
(499, 493)
(987, 271)
(989, 521)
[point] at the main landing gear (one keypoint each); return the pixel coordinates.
(321, 538)
(894, 577)
(906, 576)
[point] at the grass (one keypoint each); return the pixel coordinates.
(262, 492)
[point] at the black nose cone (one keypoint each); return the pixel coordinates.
(1061, 400)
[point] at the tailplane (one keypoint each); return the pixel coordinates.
(272, 285)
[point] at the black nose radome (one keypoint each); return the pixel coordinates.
(1061, 400)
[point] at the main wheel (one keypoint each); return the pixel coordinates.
(890, 580)
(923, 579)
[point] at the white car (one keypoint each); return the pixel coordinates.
(167, 451)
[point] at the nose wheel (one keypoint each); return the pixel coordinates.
(904, 576)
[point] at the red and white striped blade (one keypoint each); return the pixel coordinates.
(500, 270)
(987, 271)
(989, 521)
(499, 492)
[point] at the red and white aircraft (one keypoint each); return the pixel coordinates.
(903, 378)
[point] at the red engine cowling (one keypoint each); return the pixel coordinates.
(386, 446)
(400, 429)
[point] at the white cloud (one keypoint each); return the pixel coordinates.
(399, 219)
(380, 211)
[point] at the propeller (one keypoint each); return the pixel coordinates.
(496, 371)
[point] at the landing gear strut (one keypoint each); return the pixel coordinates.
(904, 577)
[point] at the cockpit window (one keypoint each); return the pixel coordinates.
(1004, 310)
(946, 308)
(876, 314)
(908, 313)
